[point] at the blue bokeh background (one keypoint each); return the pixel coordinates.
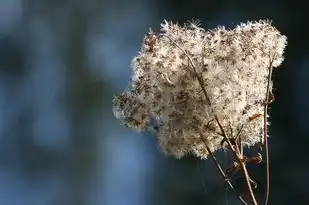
(62, 61)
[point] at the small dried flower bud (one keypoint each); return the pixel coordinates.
(177, 66)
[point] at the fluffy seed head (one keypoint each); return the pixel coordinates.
(166, 94)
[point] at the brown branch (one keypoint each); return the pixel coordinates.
(270, 69)
(225, 137)
(239, 157)
(219, 168)
(247, 178)
(238, 139)
(200, 80)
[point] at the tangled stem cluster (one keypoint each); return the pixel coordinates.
(185, 76)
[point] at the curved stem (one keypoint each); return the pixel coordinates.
(214, 159)
(247, 179)
(236, 153)
(265, 130)
(239, 157)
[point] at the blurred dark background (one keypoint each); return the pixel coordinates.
(62, 61)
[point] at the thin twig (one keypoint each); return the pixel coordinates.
(211, 129)
(194, 70)
(238, 139)
(270, 69)
(225, 137)
(247, 179)
(214, 159)
(239, 157)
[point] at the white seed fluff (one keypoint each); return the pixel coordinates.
(166, 96)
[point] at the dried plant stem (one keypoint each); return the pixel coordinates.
(247, 178)
(194, 70)
(237, 155)
(270, 69)
(214, 159)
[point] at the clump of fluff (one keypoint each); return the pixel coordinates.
(166, 97)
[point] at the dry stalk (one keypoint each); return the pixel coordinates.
(240, 158)
(270, 70)
(237, 155)
(222, 173)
